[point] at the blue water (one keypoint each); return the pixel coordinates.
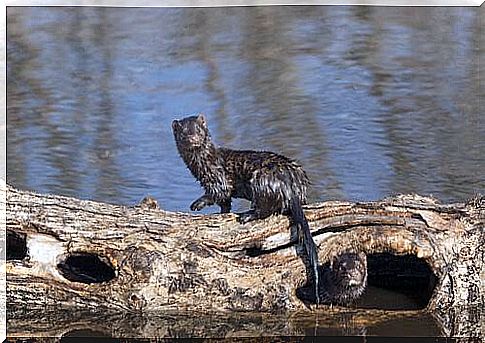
(371, 101)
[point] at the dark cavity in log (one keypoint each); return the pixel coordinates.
(405, 274)
(86, 268)
(16, 245)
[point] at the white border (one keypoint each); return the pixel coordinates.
(227, 3)
(143, 3)
(3, 174)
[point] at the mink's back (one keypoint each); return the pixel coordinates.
(265, 173)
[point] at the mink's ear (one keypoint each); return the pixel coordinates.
(201, 120)
(175, 125)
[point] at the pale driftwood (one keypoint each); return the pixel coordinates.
(167, 261)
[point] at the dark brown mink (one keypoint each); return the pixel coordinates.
(273, 183)
(344, 280)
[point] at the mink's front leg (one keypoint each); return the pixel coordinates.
(225, 206)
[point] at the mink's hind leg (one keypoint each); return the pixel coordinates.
(261, 210)
(248, 216)
(203, 201)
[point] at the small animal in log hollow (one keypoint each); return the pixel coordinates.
(272, 182)
(344, 280)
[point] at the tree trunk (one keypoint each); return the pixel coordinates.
(67, 253)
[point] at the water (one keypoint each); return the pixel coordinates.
(372, 101)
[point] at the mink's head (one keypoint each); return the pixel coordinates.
(350, 270)
(191, 131)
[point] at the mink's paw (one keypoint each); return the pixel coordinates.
(246, 217)
(198, 205)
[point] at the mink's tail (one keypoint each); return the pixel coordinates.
(305, 238)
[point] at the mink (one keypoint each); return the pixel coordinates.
(274, 184)
(344, 280)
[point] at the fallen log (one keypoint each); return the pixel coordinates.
(69, 253)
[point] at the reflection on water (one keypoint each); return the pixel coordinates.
(372, 101)
(332, 322)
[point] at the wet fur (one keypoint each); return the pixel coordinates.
(273, 183)
(344, 280)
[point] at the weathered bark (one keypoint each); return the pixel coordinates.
(164, 261)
